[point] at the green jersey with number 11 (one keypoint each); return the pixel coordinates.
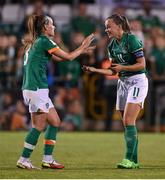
(124, 52)
(35, 63)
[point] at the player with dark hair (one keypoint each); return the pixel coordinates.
(126, 53)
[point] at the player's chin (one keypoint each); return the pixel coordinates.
(110, 36)
(52, 33)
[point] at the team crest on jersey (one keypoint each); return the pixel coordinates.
(124, 51)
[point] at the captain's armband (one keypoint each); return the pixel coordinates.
(139, 53)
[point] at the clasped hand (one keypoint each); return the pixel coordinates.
(116, 67)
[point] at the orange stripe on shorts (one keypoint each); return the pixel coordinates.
(49, 142)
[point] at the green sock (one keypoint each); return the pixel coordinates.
(131, 143)
(30, 142)
(50, 139)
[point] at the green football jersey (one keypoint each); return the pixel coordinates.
(35, 63)
(123, 52)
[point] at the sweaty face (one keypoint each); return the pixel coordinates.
(111, 28)
(49, 28)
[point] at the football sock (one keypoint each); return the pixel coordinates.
(131, 140)
(50, 140)
(30, 142)
(47, 158)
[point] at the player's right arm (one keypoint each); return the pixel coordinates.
(108, 72)
(60, 55)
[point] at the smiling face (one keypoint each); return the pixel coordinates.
(49, 27)
(112, 29)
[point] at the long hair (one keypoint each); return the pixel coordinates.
(35, 28)
(121, 20)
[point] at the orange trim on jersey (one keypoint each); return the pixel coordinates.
(49, 142)
(50, 51)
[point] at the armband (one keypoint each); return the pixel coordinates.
(139, 53)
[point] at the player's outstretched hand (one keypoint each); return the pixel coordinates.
(89, 49)
(88, 69)
(88, 40)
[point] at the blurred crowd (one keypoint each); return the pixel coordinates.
(83, 101)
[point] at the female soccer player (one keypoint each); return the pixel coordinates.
(38, 51)
(126, 52)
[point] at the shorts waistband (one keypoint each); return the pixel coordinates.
(143, 75)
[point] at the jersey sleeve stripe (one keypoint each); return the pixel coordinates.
(137, 50)
(50, 51)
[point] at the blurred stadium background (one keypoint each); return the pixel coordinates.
(85, 102)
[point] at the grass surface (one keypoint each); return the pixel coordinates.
(86, 156)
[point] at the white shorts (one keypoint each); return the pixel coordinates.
(37, 100)
(131, 90)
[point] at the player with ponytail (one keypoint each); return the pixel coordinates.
(39, 49)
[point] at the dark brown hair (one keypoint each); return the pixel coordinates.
(35, 27)
(120, 20)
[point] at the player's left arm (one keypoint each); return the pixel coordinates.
(139, 65)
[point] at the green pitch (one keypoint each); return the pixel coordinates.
(85, 155)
